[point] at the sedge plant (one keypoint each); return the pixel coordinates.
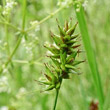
(63, 56)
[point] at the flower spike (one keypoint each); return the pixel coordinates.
(63, 55)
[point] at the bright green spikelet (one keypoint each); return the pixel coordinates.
(63, 56)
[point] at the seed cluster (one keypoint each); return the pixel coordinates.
(63, 55)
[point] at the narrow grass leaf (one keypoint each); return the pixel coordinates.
(90, 54)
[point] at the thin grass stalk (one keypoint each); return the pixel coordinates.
(6, 31)
(7, 38)
(24, 14)
(46, 18)
(56, 98)
(19, 39)
(90, 55)
(12, 54)
(9, 24)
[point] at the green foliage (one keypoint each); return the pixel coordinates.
(25, 26)
(90, 55)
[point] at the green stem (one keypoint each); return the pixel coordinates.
(9, 24)
(6, 31)
(24, 14)
(56, 98)
(7, 37)
(9, 59)
(19, 40)
(46, 18)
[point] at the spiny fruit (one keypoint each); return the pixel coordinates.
(63, 56)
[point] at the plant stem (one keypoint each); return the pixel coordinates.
(56, 98)
(46, 18)
(24, 14)
(7, 37)
(9, 24)
(6, 32)
(9, 59)
(19, 39)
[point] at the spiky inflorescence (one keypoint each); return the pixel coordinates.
(63, 55)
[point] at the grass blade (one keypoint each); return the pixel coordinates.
(90, 54)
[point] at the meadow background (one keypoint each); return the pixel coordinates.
(18, 88)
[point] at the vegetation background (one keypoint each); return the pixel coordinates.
(18, 88)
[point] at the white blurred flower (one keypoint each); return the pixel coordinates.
(22, 90)
(0, 41)
(23, 40)
(5, 70)
(4, 87)
(28, 49)
(8, 7)
(4, 108)
(34, 22)
(37, 28)
(85, 4)
(64, 3)
(20, 93)
(78, 9)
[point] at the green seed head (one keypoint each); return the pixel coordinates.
(63, 56)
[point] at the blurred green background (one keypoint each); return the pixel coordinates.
(18, 88)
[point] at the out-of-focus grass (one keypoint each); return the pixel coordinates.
(20, 77)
